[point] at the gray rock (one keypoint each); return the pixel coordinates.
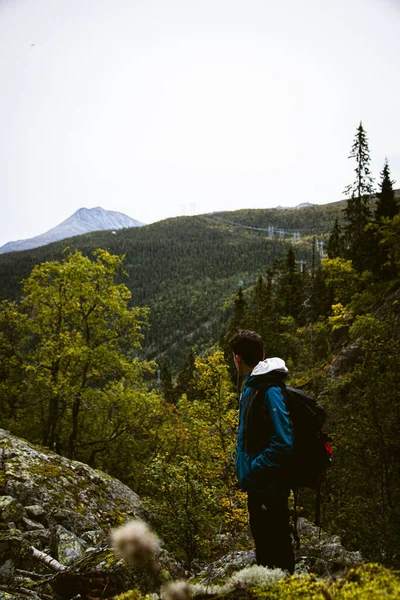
(11, 545)
(346, 360)
(10, 509)
(69, 547)
(35, 511)
(79, 497)
(321, 553)
(78, 523)
(225, 566)
(94, 537)
(39, 538)
(31, 525)
(7, 572)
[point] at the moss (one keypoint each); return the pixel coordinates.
(368, 582)
(296, 588)
(3, 478)
(132, 595)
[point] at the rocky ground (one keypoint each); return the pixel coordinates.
(56, 517)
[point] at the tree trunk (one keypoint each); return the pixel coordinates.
(49, 434)
(74, 433)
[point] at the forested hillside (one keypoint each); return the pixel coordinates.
(186, 269)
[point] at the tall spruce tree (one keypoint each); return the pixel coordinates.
(290, 287)
(239, 314)
(335, 242)
(387, 205)
(316, 295)
(357, 212)
(239, 320)
(262, 316)
(386, 208)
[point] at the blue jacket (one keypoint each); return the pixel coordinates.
(265, 440)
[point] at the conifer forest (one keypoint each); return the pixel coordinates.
(113, 352)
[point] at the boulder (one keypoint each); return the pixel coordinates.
(10, 509)
(65, 510)
(73, 494)
(69, 546)
(321, 553)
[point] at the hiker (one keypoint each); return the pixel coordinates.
(264, 448)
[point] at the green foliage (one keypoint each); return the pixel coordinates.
(340, 278)
(290, 287)
(335, 241)
(67, 348)
(190, 486)
(389, 235)
(365, 419)
(184, 507)
(386, 206)
(357, 211)
(368, 582)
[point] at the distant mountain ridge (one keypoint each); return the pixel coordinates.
(303, 205)
(84, 220)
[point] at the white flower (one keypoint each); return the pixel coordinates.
(136, 543)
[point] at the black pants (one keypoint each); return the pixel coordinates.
(269, 524)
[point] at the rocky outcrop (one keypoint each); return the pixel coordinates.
(41, 489)
(51, 506)
(318, 553)
(346, 360)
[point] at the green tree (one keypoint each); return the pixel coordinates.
(357, 212)
(335, 242)
(185, 380)
(290, 287)
(364, 411)
(239, 315)
(167, 386)
(389, 241)
(76, 337)
(194, 472)
(386, 205)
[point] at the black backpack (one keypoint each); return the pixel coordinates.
(312, 450)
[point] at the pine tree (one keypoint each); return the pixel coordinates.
(239, 315)
(335, 242)
(386, 205)
(357, 212)
(260, 306)
(239, 320)
(290, 287)
(386, 208)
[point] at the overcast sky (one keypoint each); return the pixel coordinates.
(157, 108)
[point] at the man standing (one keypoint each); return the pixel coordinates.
(264, 448)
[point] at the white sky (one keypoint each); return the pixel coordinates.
(157, 108)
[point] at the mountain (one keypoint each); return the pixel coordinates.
(82, 221)
(303, 205)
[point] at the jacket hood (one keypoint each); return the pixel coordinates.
(268, 365)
